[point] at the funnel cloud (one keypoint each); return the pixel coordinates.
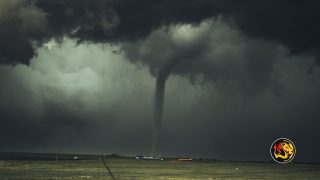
(161, 79)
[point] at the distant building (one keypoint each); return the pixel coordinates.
(141, 157)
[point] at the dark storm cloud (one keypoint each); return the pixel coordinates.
(211, 52)
(293, 23)
(20, 22)
(121, 20)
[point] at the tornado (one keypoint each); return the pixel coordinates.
(161, 79)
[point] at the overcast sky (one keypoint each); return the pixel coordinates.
(80, 76)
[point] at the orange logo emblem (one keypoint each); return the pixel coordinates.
(282, 150)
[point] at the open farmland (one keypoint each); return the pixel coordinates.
(142, 169)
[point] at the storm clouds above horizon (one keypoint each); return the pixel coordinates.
(79, 76)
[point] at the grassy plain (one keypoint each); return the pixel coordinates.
(147, 169)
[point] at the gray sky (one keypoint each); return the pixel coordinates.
(234, 91)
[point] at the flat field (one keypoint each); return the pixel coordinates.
(148, 169)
